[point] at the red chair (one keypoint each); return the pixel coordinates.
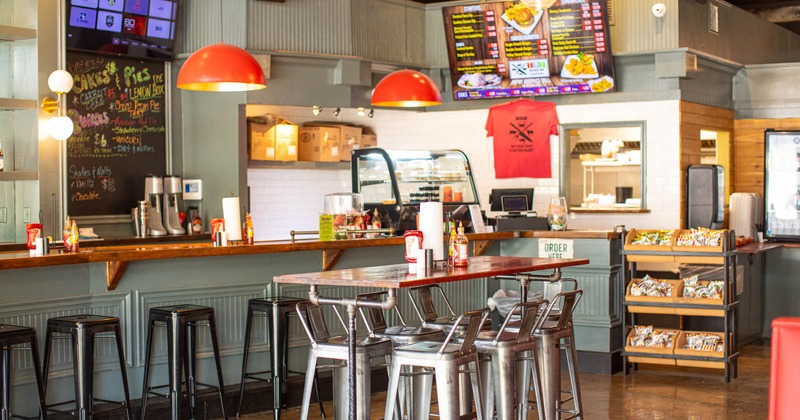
(784, 374)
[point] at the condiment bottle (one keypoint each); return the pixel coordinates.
(1, 157)
(67, 234)
(461, 247)
(451, 245)
(248, 228)
(74, 237)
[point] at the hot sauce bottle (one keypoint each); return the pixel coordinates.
(461, 247)
(249, 232)
(74, 237)
(67, 234)
(451, 247)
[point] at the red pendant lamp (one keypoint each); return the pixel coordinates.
(221, 68)
(406, 88)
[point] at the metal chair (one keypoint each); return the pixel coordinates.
(557, 326)
(180, 322)
(445, 359)
(505, 361)
(323, 345)
(426, 309)
(10, 336)
(277, 310)
(418, 385)
(82, 330)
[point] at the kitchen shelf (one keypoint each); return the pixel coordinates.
(269, 164)
(726, 308)
(14, 104)
(15, 33)
(19, 176)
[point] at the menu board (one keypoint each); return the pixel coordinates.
(118, 107)
(529, 47)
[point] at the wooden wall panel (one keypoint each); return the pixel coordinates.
(748, 151)
(695, 117)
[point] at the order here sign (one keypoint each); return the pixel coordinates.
(556, 248)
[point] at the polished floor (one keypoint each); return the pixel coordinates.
(655, 392)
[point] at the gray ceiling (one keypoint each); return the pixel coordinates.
(783, 12)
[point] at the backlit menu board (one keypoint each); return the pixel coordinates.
(529, 47)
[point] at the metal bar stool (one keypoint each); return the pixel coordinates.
(82, 330)
(505, 360)
(181, 321)
(10, 336)
(419, 385)
(277, 309)
(323, 345)
(558, 327)
(445, 358)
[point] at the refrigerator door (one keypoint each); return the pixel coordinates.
(782, 185)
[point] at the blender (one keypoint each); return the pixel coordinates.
(153, 188)
(172, 192)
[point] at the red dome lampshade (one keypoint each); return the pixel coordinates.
(406, 88)
(221, 68)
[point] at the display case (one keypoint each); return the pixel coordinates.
(395, 182)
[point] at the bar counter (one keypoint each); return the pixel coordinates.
(126, 280)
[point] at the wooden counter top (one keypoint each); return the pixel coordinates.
(117, 258)
(758, 247)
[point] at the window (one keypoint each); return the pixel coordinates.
(602, 166)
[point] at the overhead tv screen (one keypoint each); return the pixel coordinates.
(135, 28)
(529, 47)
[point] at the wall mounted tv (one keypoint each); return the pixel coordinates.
(135, 28)
(529, 47)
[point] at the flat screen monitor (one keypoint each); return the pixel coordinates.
(506, 49)
(514, 200)
(134, 28)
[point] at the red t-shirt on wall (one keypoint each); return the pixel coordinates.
(521, 131)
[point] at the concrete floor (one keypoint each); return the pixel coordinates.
(653, 392)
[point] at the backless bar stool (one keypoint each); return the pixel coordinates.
(181, 321)
(82, 330)
(277, 310)
(445, 358)
(10, 336)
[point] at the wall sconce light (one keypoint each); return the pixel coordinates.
(361, 112)
(371, 113)
(59, 127)
(337, 111)
(316, 110)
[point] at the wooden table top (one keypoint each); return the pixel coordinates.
(398, 276)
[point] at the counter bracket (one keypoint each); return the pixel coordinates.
(330, 256)
(480, 247)
(114, 271)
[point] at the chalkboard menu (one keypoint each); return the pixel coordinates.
(529, 47)
(119, 111)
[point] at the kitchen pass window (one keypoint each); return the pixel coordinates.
(602, 166)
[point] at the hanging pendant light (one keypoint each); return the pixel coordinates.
(406, 88)
(221, 68)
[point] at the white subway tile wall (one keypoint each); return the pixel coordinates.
(286, 199)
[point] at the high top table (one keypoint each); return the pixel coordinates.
(393, 277)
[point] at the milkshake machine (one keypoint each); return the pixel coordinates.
(172, 192)
(153, 188)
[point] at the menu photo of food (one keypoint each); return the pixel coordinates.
(523, 18)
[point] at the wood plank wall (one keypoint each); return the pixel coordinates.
(693, 118)
(748, 151)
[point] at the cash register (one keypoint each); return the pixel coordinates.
(516, 208)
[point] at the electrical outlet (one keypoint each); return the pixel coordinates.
(3, 214)
(26, 215)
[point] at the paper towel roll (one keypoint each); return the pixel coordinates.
(233, 221)
(431, 219)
